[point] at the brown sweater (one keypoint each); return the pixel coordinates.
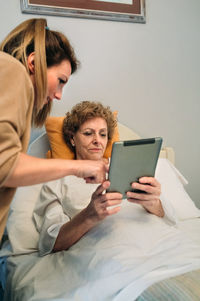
(16, 106)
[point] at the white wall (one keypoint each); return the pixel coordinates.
(149, 72)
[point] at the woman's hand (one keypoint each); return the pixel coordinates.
(149, 197)
(97, 210)
(30, 170)
(101, 203)
(92, 171)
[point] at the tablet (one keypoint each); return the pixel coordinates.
(131, 160)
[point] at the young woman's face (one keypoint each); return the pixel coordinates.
(57, 77)
(91, 139)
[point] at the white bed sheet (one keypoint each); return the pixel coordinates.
(117, 260)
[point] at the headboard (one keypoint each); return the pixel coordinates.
(40, 145)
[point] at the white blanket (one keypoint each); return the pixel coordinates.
(116, 260)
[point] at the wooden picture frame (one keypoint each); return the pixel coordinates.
(114, 10)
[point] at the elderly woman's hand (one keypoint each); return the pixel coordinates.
(149, 195)
(101, 203)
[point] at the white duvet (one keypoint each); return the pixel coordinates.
(117, 260)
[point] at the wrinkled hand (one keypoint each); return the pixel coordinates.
(150, 199)
(100, 204)
(92, 171)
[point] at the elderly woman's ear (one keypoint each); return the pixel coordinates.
(72, 141)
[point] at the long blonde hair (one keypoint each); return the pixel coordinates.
(50, 48)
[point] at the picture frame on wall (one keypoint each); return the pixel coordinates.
(113, 10)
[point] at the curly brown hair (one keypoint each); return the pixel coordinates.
(83, 111)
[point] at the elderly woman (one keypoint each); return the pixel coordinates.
(68, 208)
(109, 248)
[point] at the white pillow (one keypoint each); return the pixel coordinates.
(172, 181)
(21, 230)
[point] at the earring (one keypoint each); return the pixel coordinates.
(72, 141)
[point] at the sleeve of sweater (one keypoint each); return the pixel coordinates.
(16, 94)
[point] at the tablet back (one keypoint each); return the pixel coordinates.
(131, 160)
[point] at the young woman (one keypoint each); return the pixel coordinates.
(35, 64)
(69, 208)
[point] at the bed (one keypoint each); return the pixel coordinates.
(132, 256)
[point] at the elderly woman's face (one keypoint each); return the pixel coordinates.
(91, 139)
